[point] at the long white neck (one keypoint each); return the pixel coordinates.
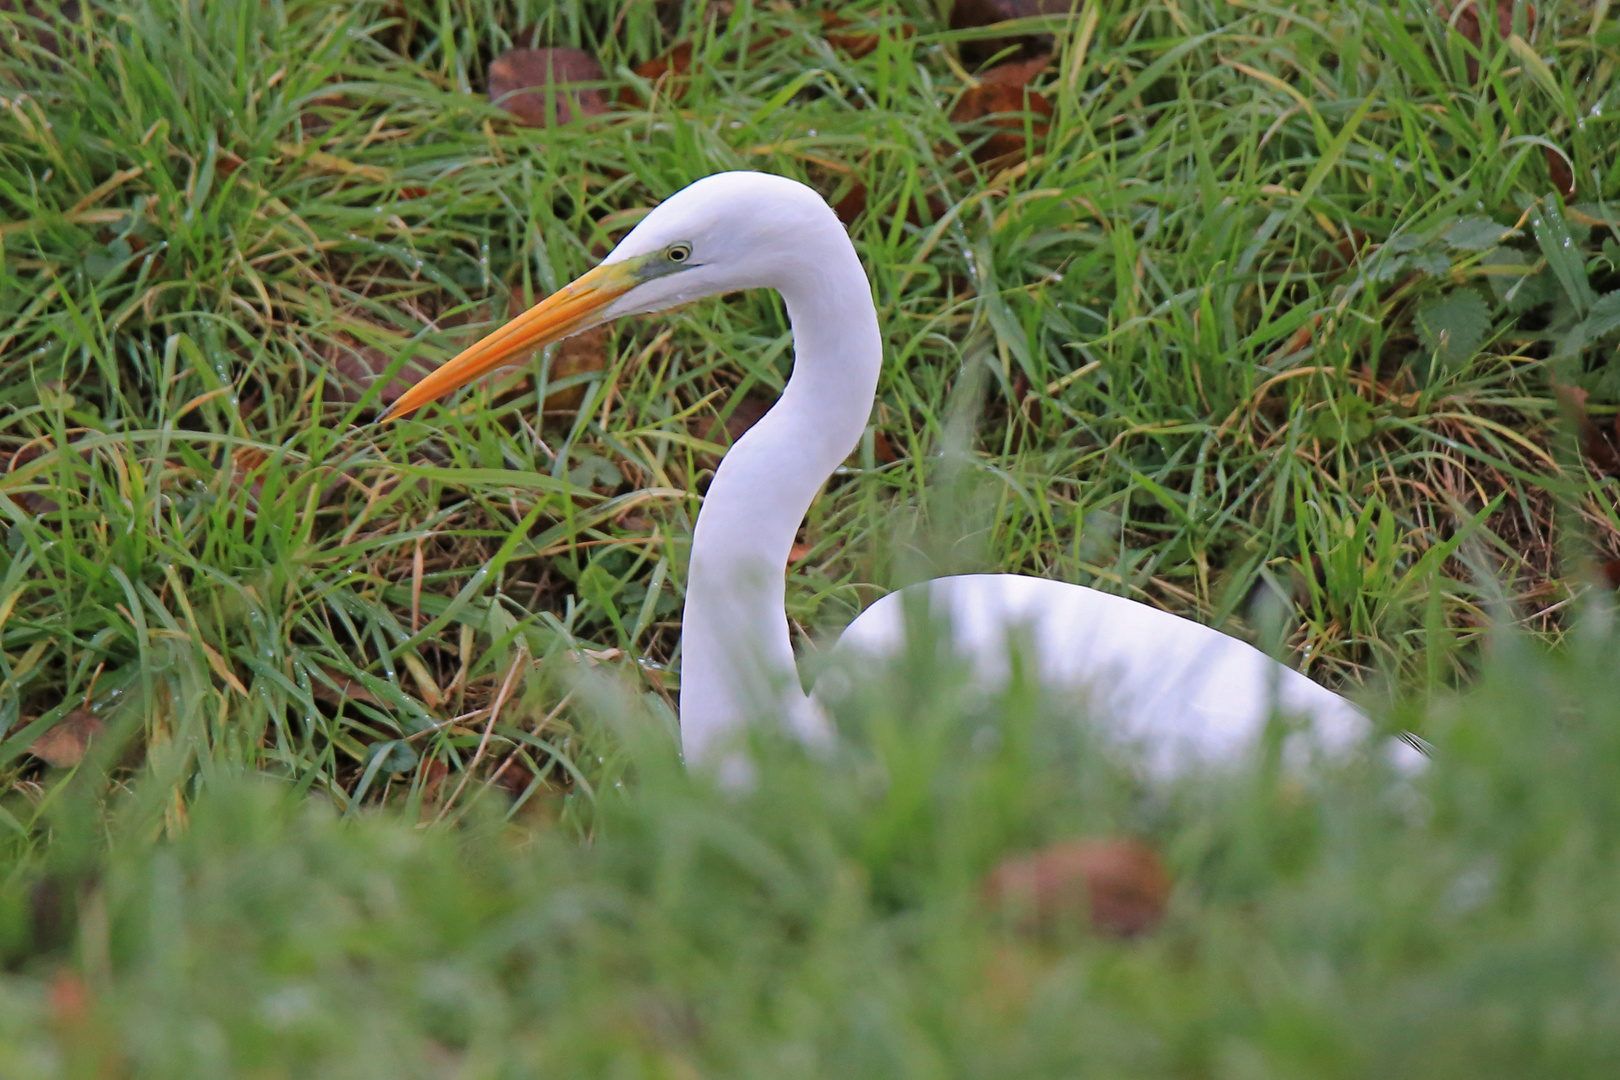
(736, 652)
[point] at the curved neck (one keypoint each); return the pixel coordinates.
(736, 652)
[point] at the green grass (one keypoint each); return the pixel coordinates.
(1335, 923)
(1191, 390)
(1248, 318)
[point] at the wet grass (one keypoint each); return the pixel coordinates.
(1268, 303)
(1316, 304)
(1324, 922)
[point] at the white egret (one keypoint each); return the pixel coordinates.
(1184, 691)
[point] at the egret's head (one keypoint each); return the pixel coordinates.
(723, 233)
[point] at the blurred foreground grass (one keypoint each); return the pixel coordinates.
(1330, 922)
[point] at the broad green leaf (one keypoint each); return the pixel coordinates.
(1604, 317)
(1431, 262)
(1476, 234)
(1455, 325)
(1505, 270)
(1348, 420)
(1533, 291)
(593, 470)
(1563, 257)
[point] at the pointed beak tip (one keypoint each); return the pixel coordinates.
(562, 313)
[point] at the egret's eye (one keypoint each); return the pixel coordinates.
(678, 253)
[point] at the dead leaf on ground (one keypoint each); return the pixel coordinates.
(64, 743)
(513, 777)
(1558, 170)
(1119, 884)
(540, 86)
(1611, 572)
(670, 68)
(834, 28)
(1601, 447)
(1297, 341)
(998, 104)
(581, 354)
(971, 14)
(247, 471)
(882, 449)
(356, 367)
(341, 689)
(33, 502)
(853, 203)
(314, 119)
(744, 415)
(433, 779)
(1467, 25)
(1349, 247)
(68, 999)
(41, 21)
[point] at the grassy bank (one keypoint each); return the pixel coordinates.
(1265, 303)
(1217, 302)
(1337, 922)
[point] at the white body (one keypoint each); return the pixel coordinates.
(1185, 694)
(1188, 692)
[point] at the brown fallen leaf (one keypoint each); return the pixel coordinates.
(87, 1047)
(538, 86)
(356, 367)
(229, 163)
(1350, 246)
(315, 119)
(247, 472)
(513, 777)
(1599, 446)
(971, 14)
(578, 355)
(41, 21)
(64, 743)
(433, 778)
(853, 203)
(1611, 572)
(670, 68)
(1017, 73)
(1558, 170)
(32, 502)
(1467, 25)
(1119, 884)
(68, 999)
(744, 415)
(1296, 341)
(857, 44)
(344, 689)
(799, 551)
(997, 105)
(883, 451)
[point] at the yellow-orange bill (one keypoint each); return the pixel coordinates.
(564, 312)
